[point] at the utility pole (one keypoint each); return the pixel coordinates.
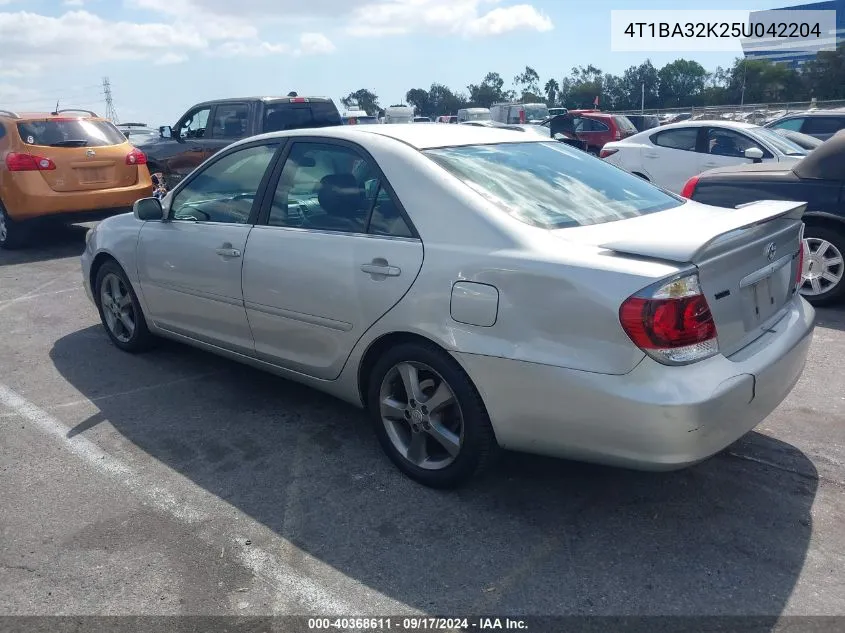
(111, 113)
(642, 100)
(744, 72)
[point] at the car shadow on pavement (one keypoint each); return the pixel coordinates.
(831, 318)
(536, 536)
(52, 241)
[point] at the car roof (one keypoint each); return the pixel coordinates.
(735, 125)
(265, 99)
(23, 117)
(421, 137)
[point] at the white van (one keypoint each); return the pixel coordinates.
(399, 114)
(473, 114)
(519, 113)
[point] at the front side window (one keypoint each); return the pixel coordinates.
(225, 190)
(721, 142)
(551, 185)
(823, 125)
(194, 126)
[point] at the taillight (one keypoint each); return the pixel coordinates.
(671, 323)
(299, 100)
(607, 152)
(136, 157)
(28, 162)
(689, 187)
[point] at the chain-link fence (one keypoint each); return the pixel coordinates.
(757, 113)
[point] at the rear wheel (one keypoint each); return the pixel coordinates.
(823, 278)
(428, 416)
(12, 233)
(120, 310)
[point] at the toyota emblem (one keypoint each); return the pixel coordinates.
(771, 250)
(90, 153)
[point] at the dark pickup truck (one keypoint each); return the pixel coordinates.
(818, 180)
(208, 127)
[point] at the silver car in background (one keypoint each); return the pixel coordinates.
(473, 289)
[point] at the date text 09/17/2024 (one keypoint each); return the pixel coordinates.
(782, 30)
(416, 623)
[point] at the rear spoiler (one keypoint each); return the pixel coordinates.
(692, 229)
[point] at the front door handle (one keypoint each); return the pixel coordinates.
(381, 268)
(227, 251)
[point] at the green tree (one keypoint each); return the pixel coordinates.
(419, 98)
(634, 80)
(680, 83)
(552, 88)
(824, 77)
(763, 81)
(366, 100)
(489, 91)
(527, 84)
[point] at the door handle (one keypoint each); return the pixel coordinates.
(228, 251)
(381, 269)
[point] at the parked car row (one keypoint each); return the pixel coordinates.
(728, 163)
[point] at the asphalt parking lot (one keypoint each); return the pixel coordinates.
(175, 482)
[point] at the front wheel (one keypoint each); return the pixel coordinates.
(120, 310)
(823, 277)
(428, 416)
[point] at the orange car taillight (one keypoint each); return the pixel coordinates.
(671, 323)
(28, 162)
(136, 157)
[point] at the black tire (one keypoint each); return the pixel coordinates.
(835, 293)
(478, 447)
(12, 234)
(141, 339)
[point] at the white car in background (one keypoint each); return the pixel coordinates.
(670, 155)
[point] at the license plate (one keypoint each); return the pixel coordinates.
(763, 299)
(93, 175)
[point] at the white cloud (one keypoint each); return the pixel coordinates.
(314, 44)
(32, 41)
(457, 17)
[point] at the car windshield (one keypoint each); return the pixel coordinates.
(536, 112)
(59, 132)
(780, 143)
(551, 185)
(625, 124)
(484, 115)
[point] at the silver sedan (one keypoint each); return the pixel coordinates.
(473, 289)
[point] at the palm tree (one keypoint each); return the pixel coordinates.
(551, 89)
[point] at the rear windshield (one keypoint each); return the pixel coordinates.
(70, 133)
(624, 124)
(552, 185)
(536, 112)
(294, 116)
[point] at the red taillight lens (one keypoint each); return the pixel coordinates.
(689, 187)
(136, 157)
(673, 323)
(607, 152)
(28, 162)
(298, 100)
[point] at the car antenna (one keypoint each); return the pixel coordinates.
(292, 93)
(56, 112)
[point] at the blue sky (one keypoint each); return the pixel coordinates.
(162, 56)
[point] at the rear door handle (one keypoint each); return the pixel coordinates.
(228, 252)
(382, 270)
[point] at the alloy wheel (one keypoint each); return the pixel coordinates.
(421, 415)
(4, 229)
(823, 267)
(118, 308)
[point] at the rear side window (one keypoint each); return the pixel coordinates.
(551, 185)
(230, 121)
(294, 116)
(823, 125)
(685, 138)
(70, 133)
(624, 124)
(789, 124)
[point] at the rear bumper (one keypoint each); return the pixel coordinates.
(27, 196)
(655, 417)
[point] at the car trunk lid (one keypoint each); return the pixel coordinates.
(747, 258)
(88, 154)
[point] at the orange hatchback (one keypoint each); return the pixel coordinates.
(69, 166)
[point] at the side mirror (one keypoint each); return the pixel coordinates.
(755, 154)
(165, 131)
(148, 209)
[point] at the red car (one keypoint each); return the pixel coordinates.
(597, 128)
